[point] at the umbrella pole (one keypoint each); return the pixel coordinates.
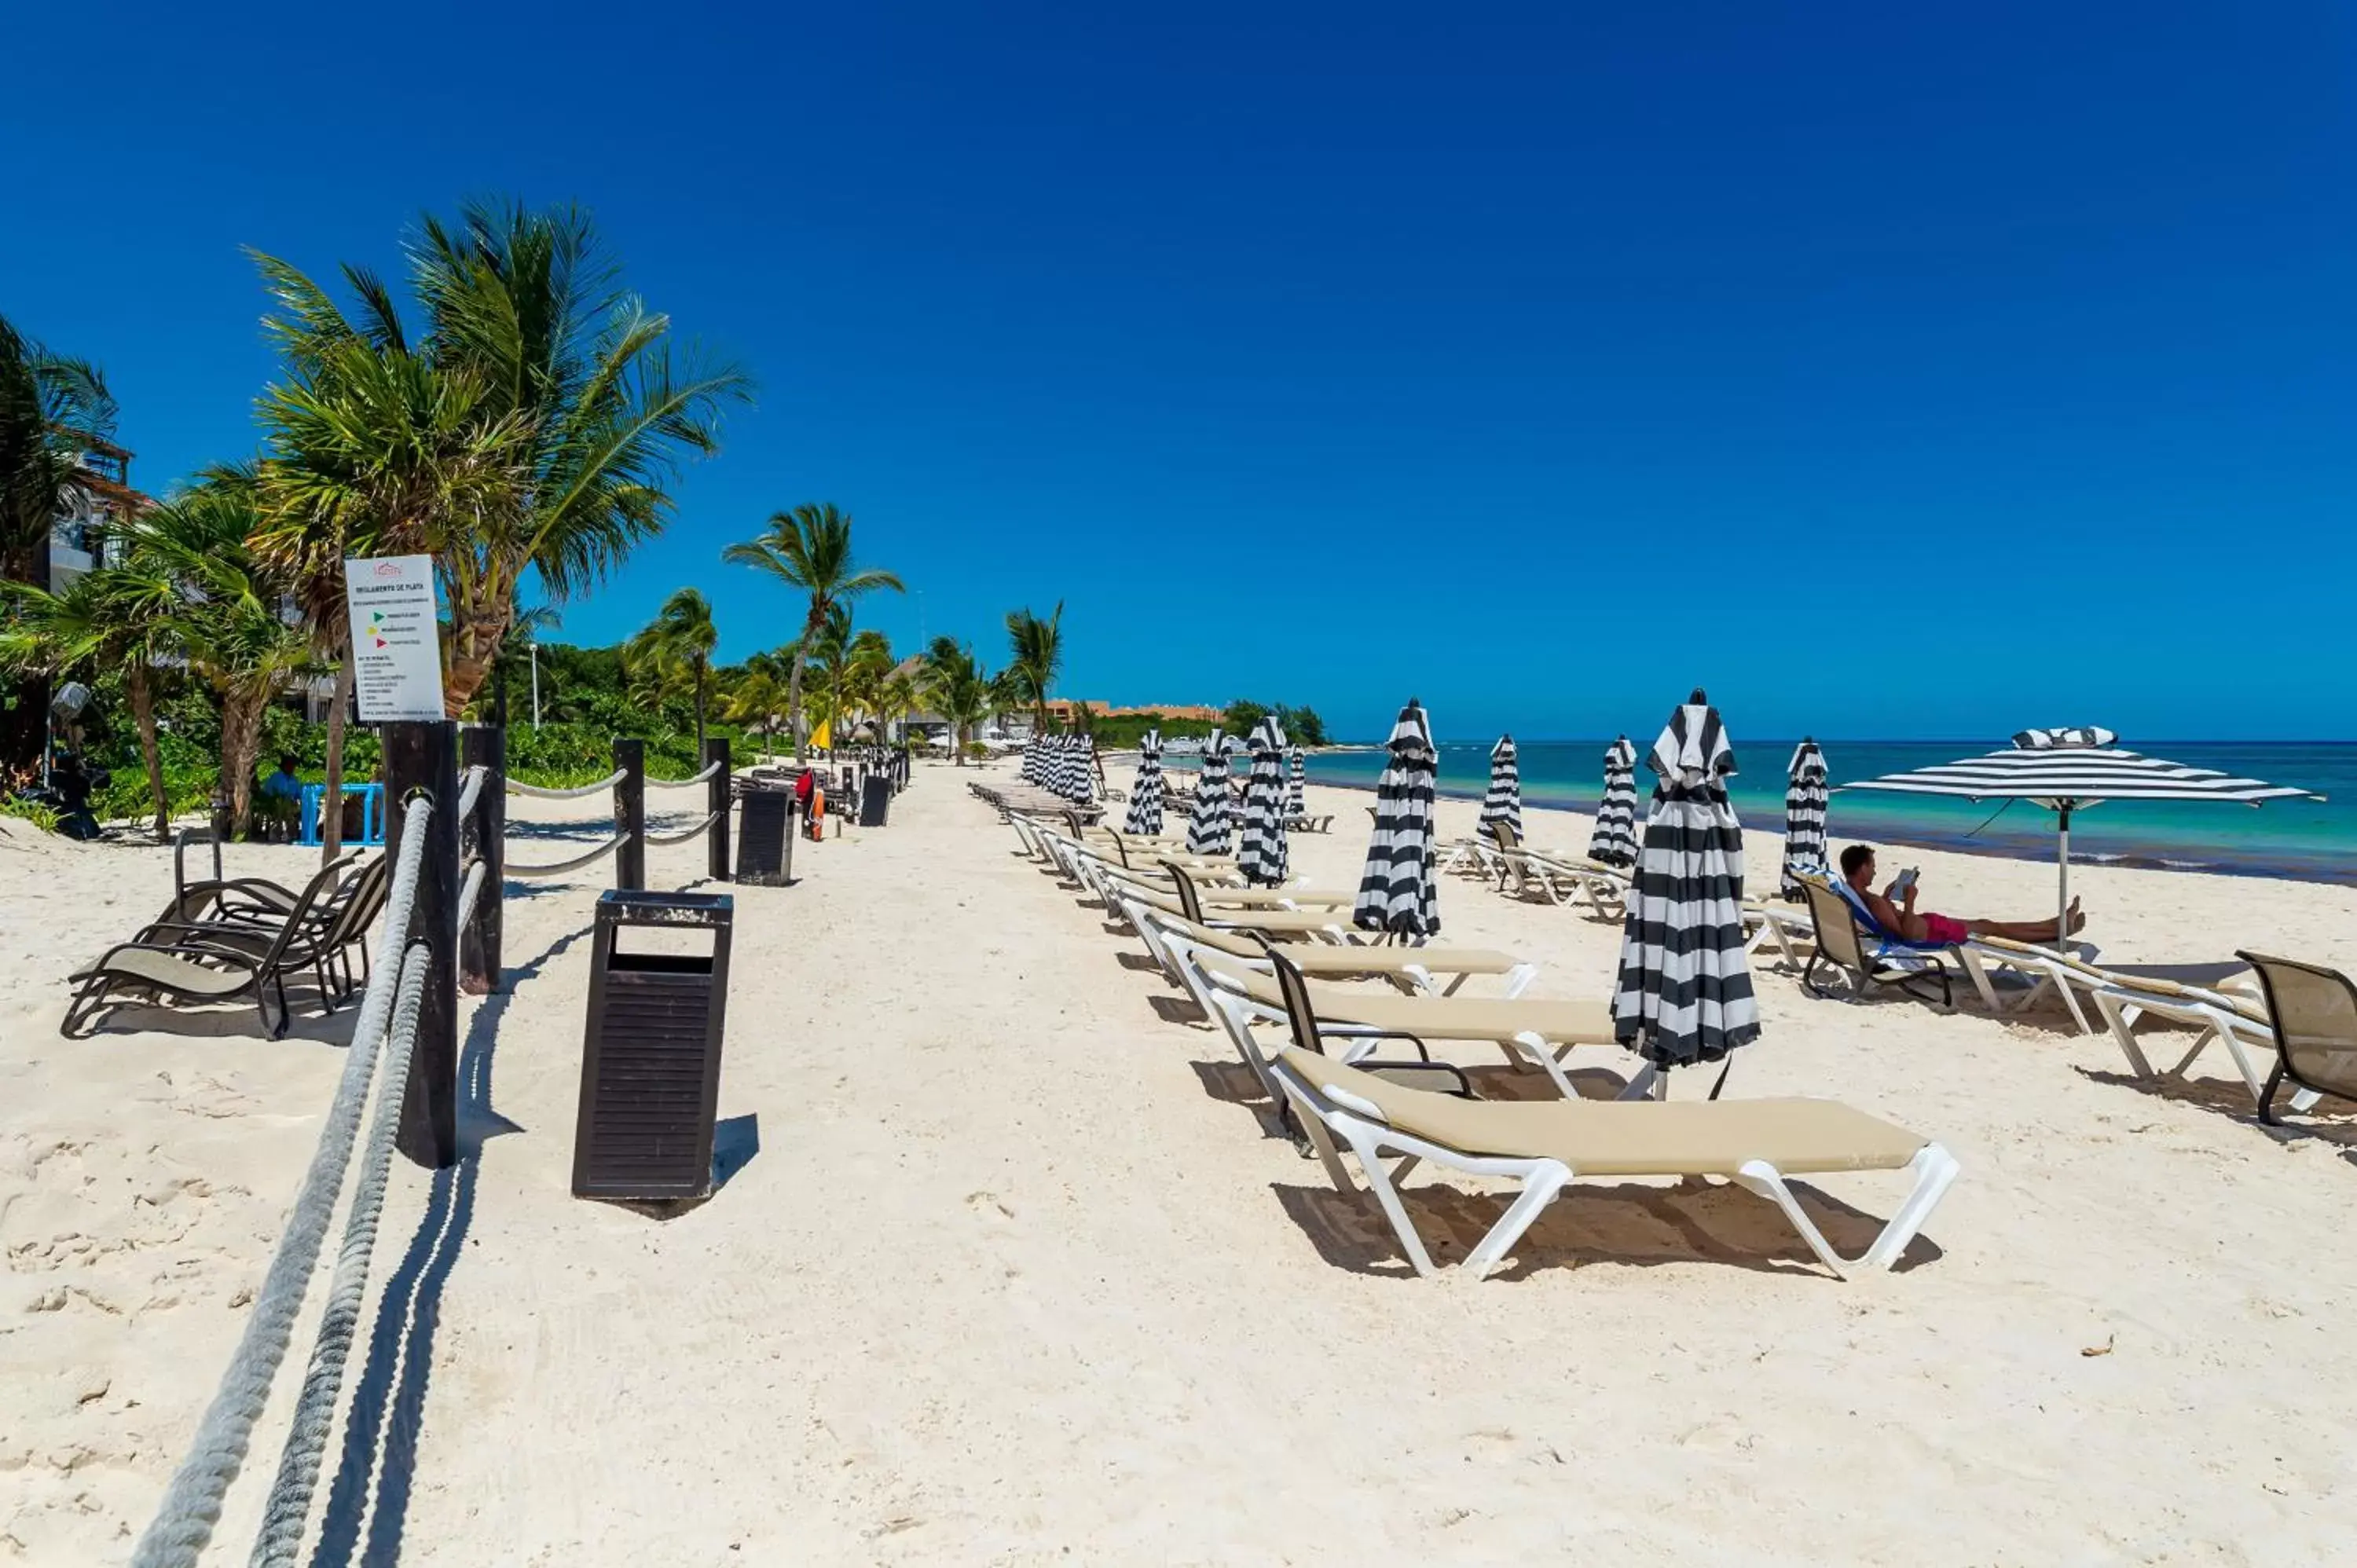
(2062, 903)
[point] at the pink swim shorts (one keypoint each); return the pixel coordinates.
(1939, 928)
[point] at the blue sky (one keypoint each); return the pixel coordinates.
(1906, 370)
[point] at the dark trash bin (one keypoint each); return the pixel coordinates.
(765, 837)
(651, 1058)
(875, 800)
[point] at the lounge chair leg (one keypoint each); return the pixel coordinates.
(2124, 1031)
(1648, 1084)
(1538, 1191)
(1933, 1169)
(1371, 1165)
(1534, 1048)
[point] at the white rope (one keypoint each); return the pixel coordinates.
(470, 788)
(184, 1521)
(512, 869)
(467, 893)
(710, 769)
(683, 836)
(289, 1506)
(517, 787)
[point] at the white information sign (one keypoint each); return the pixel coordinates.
(396, 643)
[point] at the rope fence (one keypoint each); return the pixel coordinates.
(184, 1521)
(517, 787)
(559, 868)
(710, 771)
(403, 1051)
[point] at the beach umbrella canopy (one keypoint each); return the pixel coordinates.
(2068, 770)
(1296, 804)
(1146, 796)
(1804, 817)
(1207, 830)
(1685, 994)
(1262, 855)
(1080, 770)
(1396, 892)
(1615, 840)
(1504, 803)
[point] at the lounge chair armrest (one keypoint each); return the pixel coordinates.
(1368, 1032)
(1455, 1074)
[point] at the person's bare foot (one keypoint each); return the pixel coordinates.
(2078, 920)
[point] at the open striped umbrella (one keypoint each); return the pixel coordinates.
(1396, 892)
(1504, 803)
(2067, 770)
(1615, 840)
(1261, 858)
(1145, 797)
(1296, 804)
(1686, 994)
(1207, 830)
(1804, 817)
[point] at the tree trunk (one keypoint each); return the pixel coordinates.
(241, 740)
(142, 711)
(476, 632)
(699, 710)
(794, 707)
(331, 803)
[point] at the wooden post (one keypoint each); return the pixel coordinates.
(485, 746)
(715, 801)
(423, 758)
(630, 814)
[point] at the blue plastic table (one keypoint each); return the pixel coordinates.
(371, 812)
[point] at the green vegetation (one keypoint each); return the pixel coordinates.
(509, 409)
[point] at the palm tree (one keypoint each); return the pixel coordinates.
(532, 305)
(1038, 650)
(957, 687)
(808, 549)
(757, 696)
(48, 403)
(189, 562)
(373, 448)
(681, 634)
(102, 624)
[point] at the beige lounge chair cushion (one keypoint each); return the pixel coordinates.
(1332, 962)
(1687, 1137)
(1437, 1017)
(167, 970)
(1273, 921)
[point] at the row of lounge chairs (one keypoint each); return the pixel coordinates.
(1341, 1030)
(1536, 875)
(240, 939)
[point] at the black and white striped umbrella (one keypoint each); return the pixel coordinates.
(1615, 840)
(1146, 796)
(1084, 769)
(1297, 803)
(1804, 817)
(1686, 994)
(1031, 760)
(1207, 830)
(1396, 892)
(1055, 765)
(1263, 856)
(1504, 803)
(2067, 770)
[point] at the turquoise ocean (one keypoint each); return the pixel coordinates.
(2306, 839)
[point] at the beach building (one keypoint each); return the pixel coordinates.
(99, 495)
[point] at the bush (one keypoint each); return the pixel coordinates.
(42, 817)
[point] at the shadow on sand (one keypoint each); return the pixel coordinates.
(389, 1399)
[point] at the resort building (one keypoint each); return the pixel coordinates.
(99, 496)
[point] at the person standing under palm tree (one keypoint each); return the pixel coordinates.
(808, 549)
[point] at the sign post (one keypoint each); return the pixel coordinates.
(395, 643)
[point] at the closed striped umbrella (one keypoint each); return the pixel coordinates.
(1615, 840)
(1080, 770)
(1207, 830)
(1031, 760)
(1145, 797)
(1685, 994)
(2068, 770)
(1297, 803)
(1263, 856)
(1804, 817)
(1504, 803)
(1396, 892)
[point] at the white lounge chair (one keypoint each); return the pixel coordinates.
(1544, 1145)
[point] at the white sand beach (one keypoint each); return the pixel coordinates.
(1016, 1276)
